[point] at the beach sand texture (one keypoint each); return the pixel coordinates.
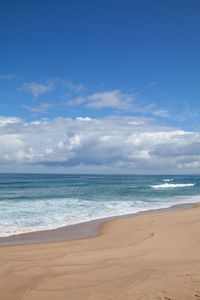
(154, 256)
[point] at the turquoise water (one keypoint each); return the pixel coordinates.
(31, 202)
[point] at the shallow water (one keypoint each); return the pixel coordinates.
(32, 202)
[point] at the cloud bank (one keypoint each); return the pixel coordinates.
(122, 144)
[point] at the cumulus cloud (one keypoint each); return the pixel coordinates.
(126, 144)
(84, 119)
(9, 120)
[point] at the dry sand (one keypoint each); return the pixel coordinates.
(154, 256)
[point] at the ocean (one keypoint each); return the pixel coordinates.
(33, 202)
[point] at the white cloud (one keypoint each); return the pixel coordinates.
(125, 144)
(161, 113)
(191, 165)
(58, 84)
(37, 89)
(43, 108)
(9, 120)
(86, 119)
(78, 101)
(72, 86)
(113, 99)
(117, 100)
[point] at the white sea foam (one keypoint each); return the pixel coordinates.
(168, 179)
(54, 213)
(172, 185)
(37, 207)
(93, 211)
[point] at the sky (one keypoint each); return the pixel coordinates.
(100, 86)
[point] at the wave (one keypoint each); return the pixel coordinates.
(91, 211)
(172, 185)
(168, 179)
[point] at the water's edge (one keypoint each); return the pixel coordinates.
(32, 203)
(78, 231)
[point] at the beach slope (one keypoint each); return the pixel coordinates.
(153, 256)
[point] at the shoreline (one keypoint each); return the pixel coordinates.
(84, 230)
(145, 256)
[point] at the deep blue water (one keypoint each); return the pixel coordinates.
(31, 202)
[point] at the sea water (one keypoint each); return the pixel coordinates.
(33, 202)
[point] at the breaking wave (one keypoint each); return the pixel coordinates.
(168, 179)
(172, 185)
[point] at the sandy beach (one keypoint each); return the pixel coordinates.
(151, 256)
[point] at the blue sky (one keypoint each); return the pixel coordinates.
(99, 61)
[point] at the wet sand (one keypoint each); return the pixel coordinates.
(146, 256)
(76, 231)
